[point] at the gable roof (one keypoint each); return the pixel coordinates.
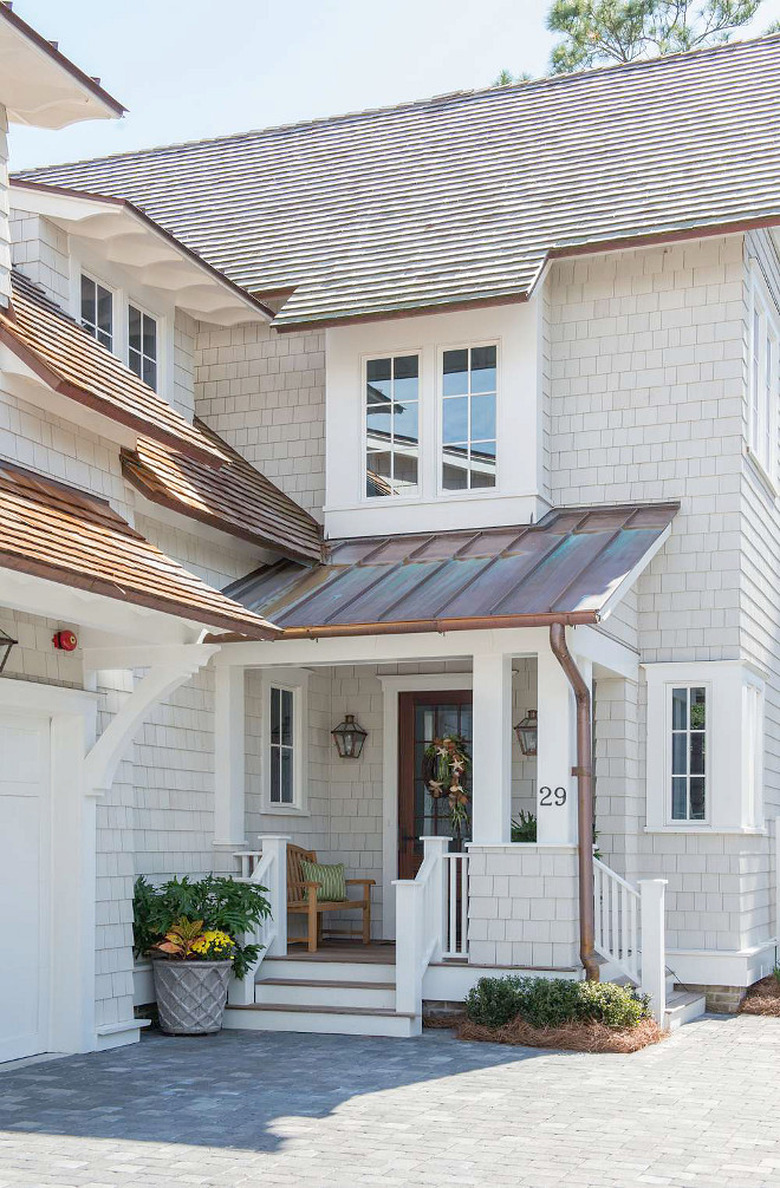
(72, 363)
(236, 499)
(65, 535)
(464, 197)
(570, 568)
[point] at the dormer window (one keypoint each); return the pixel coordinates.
(142, 345)
(97, 311)
(392, 433)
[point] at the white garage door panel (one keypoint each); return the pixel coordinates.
(24, 886)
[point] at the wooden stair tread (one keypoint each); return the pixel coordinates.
(326, 982)
(297, 1008)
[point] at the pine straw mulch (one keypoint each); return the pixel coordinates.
(762, 998)
(574, 1037)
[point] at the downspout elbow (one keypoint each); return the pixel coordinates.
(584, 774)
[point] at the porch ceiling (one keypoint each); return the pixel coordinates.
(570, 567)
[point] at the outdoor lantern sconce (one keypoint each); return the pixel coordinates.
(6, 643)
(349, 737)
(527, 732)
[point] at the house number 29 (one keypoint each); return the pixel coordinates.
(552, 796)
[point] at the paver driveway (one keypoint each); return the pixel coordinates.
(239, 1109)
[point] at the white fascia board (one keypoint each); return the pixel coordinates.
(82, 608)
(122, 236)
(604, 650)
(40, 87)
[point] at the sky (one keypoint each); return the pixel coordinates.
(188, 69)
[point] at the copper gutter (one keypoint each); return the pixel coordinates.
(584, 773)
(426, 626)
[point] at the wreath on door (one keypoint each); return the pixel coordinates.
(446, 762)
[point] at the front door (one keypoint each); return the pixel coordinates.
(423, 717)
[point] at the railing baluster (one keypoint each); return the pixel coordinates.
(464, 907)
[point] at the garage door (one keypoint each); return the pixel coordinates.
(24, 885)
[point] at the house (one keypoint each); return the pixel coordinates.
(449, 416)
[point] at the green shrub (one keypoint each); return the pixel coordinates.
(223, 905)
(552, 1002)
(494, 1001)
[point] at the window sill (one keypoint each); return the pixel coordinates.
(283, 810)
(710, 830)
(763, 476)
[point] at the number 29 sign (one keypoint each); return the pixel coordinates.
(552, 797)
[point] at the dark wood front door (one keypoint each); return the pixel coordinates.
(422, 717)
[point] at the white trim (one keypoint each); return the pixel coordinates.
(731, 805)
(722, 967)
(296, 681)
(443, 492)
(127, 1025)
(392, 685)
(371, 500)
(762, 301)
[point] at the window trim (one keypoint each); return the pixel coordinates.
(295, 681)
(97, 280)
(391, 500)
(761, 300)
(443, 492)
(731, 805)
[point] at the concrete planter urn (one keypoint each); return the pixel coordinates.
(191, 995)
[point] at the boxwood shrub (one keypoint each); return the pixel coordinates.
(552, 1002)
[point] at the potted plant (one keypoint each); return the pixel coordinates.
(191, 975)
(194, 932)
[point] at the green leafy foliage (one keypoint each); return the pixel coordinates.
(223, 905)
(552, 1002)
(598, 31)
(524, 827)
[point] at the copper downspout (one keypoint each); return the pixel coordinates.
(584, 773)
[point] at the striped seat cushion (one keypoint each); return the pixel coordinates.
(331, 879)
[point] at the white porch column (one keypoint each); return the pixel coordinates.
(492, 748)
(556, 752)
(229, 758)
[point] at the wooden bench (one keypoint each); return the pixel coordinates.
(302, 899)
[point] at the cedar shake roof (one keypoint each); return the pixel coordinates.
(72, 363)
(567, 568)
(236, 499)
(56, 532)
(464, 197)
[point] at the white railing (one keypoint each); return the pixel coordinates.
(455, 939)
(419, 925)
(617, 908)
(630, 930)
(265, 868)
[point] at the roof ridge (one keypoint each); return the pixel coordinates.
(660, 61)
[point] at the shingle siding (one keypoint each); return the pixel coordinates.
(264, 393)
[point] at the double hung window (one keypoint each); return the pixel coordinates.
(763, 380)
(97, 311)
(469, 419)
(392, 398)
(142, 345)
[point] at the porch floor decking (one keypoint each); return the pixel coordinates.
(379, 952)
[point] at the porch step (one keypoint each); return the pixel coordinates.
(682, 1006)
(316, 992)
(320, 1020)
(293, 969)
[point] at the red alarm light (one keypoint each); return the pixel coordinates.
(66, 641)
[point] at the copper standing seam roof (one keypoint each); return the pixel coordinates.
(72, 363)
(563, 569)
(463, 197)
(236, 499)
(56, 532)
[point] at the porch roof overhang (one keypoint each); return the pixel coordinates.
(51, 531)
(571, 568)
